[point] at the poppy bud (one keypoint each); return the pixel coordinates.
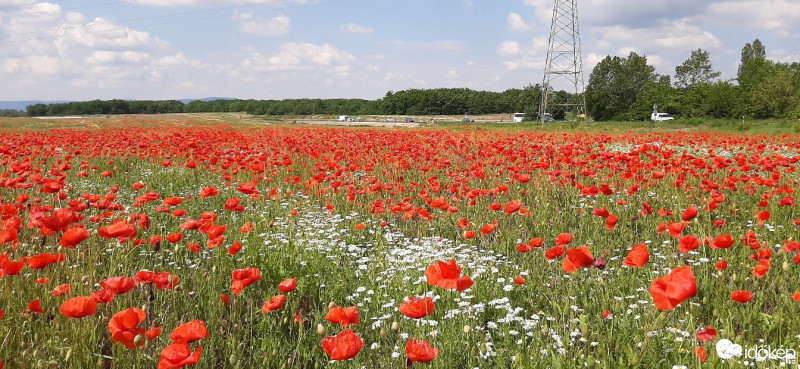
(600, 263)
(420, 289)
(383, 332)
(733, 277)
(785, 266)
(176, 249)
(144, 307)
(85, 279)
(68, 356)
(232, 359)
(285, 320)
(331, 305)
(138, 339)
(395, 326)
(715, 312)
(53, 363)
(467, 329)
(321, 329)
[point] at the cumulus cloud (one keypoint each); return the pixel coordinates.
(302, 56)
(774, 15)
(354, 28)
(177, 3)
(509, 48)
(516, 56)
(516, 23)
(250, 23)
(676, 35)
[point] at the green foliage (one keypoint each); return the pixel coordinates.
(11, 113)
(615, 84)
(696, 69)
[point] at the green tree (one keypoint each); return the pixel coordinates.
(696, 69)
(615, 85)
(753, 51)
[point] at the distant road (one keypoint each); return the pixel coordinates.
(355, 124)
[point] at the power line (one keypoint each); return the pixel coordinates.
(122, 27)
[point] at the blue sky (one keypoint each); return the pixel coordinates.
(273, 49)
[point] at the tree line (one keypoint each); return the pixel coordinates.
(442, 101)
(627, 88)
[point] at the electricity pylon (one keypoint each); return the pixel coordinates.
(564, 67)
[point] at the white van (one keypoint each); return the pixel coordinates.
(519, 117)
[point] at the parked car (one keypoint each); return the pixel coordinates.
(409, 120)
(468, 120)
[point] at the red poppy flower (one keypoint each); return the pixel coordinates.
(42, 280)
(577, 258)
(563, 239)
(611, 222)
(235, 248)
(118, 229)
(234, 204)
(671, 290)
(601, 212)
(60, 290)
(78, 307)
(751, 240)
(118, 285)
(73, 236)
(288, 285)
(209, 191)
(343, 346)
(701, 353)
(123, 327)
(275, 303)
(225, 299)
(761, 269)
(554, 252)
(763, 216)
(174, 237)
(35, 306)
(447, 275)
(189, 332)
(707, 334)
(416, 308)
(343, 316)
(524, 247)
(675, 229)
(512, 207)
(637, 257)
(688, 243)
(469, 235)
(741, 296)
(178, 355)
(689, 213)
(246, 228)
(796, 297)
(722, 242)
(153, 332)
(519, 280)
(41, 261)
(11, 267)
(243, 278)
(420, 351)
(165, 280)
(103, 296)
(721, 265)
(488, 228)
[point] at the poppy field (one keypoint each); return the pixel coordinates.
(202, 244)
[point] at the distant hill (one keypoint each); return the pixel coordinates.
(21, 105)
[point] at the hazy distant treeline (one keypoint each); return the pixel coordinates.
(443, 101)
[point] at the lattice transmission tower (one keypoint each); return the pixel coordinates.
(564, 68)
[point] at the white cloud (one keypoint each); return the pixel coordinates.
(301, 56)
(276, 26)
(354, 28)
(516, 23)
(443, 45)
(176, 3)
(508, 48)
(775, 15)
